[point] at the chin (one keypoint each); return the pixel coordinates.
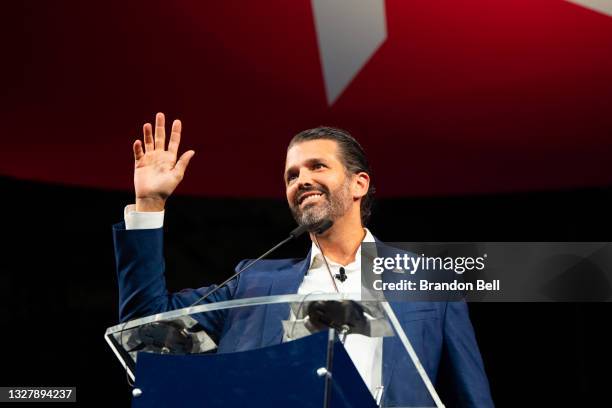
(313, 218)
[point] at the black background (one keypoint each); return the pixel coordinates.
(60, 289)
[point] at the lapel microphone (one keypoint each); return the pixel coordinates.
(342, 275)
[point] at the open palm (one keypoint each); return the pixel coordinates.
(157, 172)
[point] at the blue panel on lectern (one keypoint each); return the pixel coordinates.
(283, 375)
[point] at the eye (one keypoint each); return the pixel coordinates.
(318, 166)
(291, 177)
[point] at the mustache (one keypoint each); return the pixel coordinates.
(306, 190)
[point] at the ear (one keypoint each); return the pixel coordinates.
(360, 185)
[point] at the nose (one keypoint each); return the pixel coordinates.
(304, 179)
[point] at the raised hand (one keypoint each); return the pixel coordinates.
(156, 171)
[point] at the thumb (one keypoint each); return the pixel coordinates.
(183, 161)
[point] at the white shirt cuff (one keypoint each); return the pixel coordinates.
(142, 220)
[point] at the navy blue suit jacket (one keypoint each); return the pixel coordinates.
(436, 329)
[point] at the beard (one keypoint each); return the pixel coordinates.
(331, 206)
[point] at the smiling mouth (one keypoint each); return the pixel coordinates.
(309, 198)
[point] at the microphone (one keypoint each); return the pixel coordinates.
(342, 275)
(317, 228)
(321, 226)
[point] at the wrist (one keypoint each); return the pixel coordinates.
(150, 204)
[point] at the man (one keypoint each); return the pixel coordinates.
(327, 177)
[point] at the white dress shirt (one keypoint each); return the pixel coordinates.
(142, 220)
(365, 352)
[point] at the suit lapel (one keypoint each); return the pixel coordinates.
(285, 283)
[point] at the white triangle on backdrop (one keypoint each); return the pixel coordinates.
(348, 32)
(602, 6)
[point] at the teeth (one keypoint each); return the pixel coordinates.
(313, 196)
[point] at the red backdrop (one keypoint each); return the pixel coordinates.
(462, 97)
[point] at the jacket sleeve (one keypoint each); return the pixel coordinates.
(142, 285)
(469, 380)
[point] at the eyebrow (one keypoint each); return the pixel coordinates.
(308, 162)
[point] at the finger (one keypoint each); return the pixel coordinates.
(138, 152)
(175, 137)
(160, 131)
(183, 162)
(147, 130)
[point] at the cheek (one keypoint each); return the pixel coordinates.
(290, 193)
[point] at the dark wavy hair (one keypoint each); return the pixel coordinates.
(352, 155)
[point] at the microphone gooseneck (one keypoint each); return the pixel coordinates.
(298, 231)
(318, 228)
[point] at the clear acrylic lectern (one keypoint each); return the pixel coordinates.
(316, 350)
